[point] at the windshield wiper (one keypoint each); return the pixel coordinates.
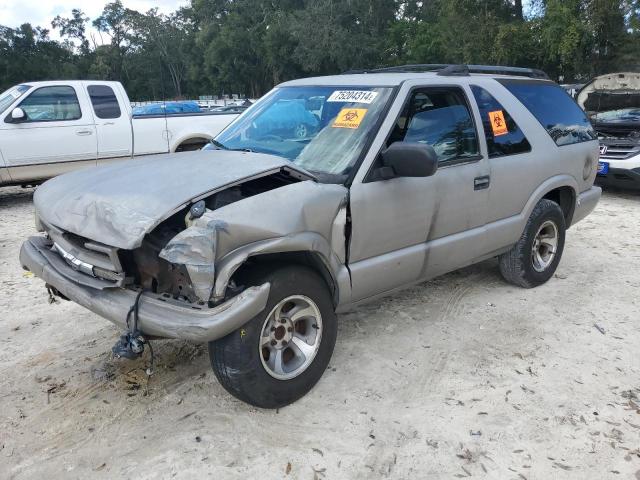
(218, 144)
(222, 146)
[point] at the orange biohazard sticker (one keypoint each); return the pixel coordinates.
(349, 118)
(498, 123)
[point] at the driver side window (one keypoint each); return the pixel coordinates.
(52, 104)
(438, 117)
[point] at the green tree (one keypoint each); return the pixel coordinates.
(247, 46)
(116, 22)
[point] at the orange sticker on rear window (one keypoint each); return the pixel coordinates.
(498, 123)
(349, 118)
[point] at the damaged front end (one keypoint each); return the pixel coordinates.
(178, 258)
(160, 315)
(181, 268)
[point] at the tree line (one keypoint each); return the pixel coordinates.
(247, 46)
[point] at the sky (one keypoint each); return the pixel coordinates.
(40, 12)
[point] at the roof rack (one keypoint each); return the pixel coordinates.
(455, 70)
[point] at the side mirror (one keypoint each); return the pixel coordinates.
(18, 115)
(406, 159)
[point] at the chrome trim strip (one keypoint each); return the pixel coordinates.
(74, 262)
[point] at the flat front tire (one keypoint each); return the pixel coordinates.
(281, 353)
(534, 259)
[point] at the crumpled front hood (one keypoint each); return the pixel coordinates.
(119, 204)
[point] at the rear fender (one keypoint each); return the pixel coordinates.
(186, 138)
(506, 232)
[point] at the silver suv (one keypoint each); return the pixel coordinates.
(254, 243)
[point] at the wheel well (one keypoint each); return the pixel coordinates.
(271, 260)
(194, 143)
(566, 198)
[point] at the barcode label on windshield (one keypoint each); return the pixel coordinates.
(356, 96)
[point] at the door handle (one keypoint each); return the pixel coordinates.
(109, 123)
(481, 183)
(83, 133)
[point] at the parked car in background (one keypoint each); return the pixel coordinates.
(229, 108)
(572, 88)
(168, 108)
(288, 118)
(613, 103)
(48, 128)
(254, 244)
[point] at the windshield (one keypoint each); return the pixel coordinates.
(623, 115)
(322, 129)
(9, 96)
(613, 106)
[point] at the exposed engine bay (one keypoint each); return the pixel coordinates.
(613, 104)
(149, 270)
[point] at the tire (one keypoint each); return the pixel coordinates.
(249, 371)
(301, 130)
(520, 265)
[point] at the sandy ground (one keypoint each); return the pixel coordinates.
(463, 376)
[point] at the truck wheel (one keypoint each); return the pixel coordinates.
(280, 354)
(533, 260)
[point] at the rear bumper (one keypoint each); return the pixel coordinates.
(158, 316)
(620, 177)
(585, 203)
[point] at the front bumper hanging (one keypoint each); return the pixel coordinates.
(159, 316)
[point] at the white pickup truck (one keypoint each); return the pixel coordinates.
(49, 128)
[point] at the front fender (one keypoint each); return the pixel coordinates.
(298, 242)
(304, 216)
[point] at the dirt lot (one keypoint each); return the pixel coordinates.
(461, 376)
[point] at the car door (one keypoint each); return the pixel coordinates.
(56, 135)
(408, 229)
(113, 125)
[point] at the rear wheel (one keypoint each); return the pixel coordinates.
(534, 259)
(281, 353)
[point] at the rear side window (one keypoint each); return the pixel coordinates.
(504, 137)
(555, 110)
(104, 101)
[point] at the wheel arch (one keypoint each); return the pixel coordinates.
(312, 260)
(564, 196)
(307, 248)
(191, 139)
(562, 189)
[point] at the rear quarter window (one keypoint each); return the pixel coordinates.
(558, 113)
(508, 141)
(104, 101)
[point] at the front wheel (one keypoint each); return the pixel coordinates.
(281, 353)
(534, 259)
